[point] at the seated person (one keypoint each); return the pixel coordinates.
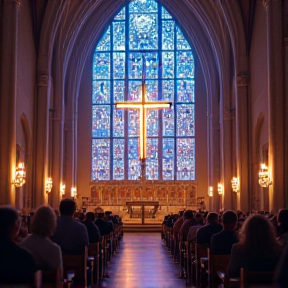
(71, 235)
(221, 243)
(281, 275)
(102, 224)
(93, 231)
(193, 229)
(46, 253)
(205, 233)
(17, 265)
(188, 222)
(282, 222)
(258, 249)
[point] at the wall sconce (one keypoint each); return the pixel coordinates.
(73, 192)
(264, 177)
(49, 184)
(62, 189)
(20, 176)
(220, 189)
(235, 184)
(210, 191)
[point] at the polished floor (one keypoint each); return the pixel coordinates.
(142, 261)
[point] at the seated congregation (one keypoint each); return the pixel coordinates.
(57, 249)
(229, 249)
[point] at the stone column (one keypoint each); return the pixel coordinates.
(285, 204)
(242, 144)
(8, 79)
(275, 102)
(42, 136)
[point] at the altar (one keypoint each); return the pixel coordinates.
(137, 209)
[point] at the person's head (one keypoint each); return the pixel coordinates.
(44, 221)
(90, 216)
(282, 220)
(67, 207)
(212, 218)
(199, 218)
(258, 235)
(81, 216)
(100, 215)
(188, 214)
(10, 222)
(229, 219)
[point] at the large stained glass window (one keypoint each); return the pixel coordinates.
(143, 28)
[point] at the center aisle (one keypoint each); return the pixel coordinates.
(142, 262)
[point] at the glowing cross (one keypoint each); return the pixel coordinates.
(143, 106)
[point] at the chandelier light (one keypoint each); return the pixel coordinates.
(235, 184)
(49, 184)
(264, 177)
(20, 176)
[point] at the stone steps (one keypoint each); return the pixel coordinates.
(142, 228)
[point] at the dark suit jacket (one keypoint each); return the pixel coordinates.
(104, 227)
(205, 233)
(93, 231)
(221, 243)
(17, 265)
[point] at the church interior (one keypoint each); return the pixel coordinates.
(144, 107)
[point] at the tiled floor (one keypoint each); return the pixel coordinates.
(143, 261)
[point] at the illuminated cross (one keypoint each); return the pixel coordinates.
(143, 106)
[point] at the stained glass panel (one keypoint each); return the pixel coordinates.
(143, 31)
(133, 122)
(105, 43)
(119, 65)
(101, 92)
(140, 6)
(118, 91)
(152, 122)
(151, 90)
(185, 64)
(168, 90)
(152, 159)
(121, 14)
(168, 159)
(133, 159)
(168, 64)
(119, 36)
(165, 14)
(134, 92)
(168, 35)
(118, 159)
(185, 120)
(101, 121)
(118, 122)
(101, 67)
(182, 43)
(185, 91)
(169, 75)
(100, 159)
(168, 122)
(185, 159)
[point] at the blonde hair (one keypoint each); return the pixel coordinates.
(44, 221)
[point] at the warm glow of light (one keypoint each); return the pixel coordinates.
(143, 107)
(235, 184)
(49, 184)
(264, 176)
(210, 191)
(73, 192)
(220, 189)
(62, 188)
(20, 176)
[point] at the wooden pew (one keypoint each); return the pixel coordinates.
(200, 252)
(216, 264)
(190, 277)
(76, 264)
(263, 279)
(93, 251)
